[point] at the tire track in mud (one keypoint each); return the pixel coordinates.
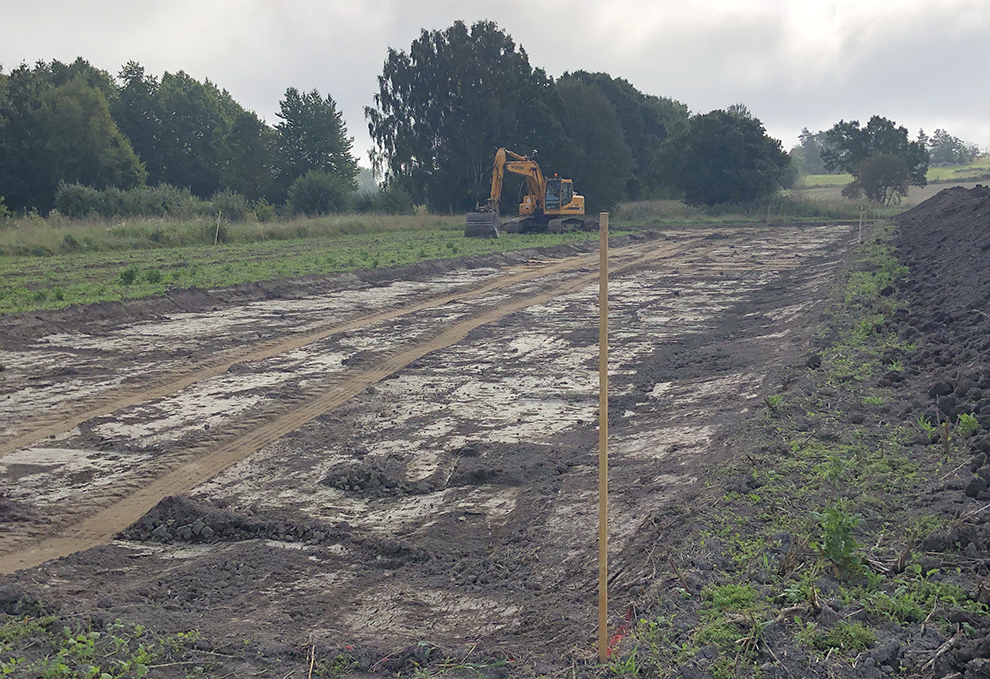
(122, 502)
(63, 421)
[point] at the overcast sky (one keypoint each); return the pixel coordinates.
(794, 63)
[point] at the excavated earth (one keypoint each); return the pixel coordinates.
(404, 463)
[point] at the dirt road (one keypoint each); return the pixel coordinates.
(407, 460)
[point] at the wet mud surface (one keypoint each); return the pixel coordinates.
(450, 502)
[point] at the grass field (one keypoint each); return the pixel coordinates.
(54, 262)
(975, 171)
(31, 282)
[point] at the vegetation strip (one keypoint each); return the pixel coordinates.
(817, 548)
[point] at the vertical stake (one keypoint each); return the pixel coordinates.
(861, 210)
(216, 239)
(603, 440)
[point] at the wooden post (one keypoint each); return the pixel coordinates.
(603, 440)
(216, 239)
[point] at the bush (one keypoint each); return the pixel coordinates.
(76, 200)
(5, 214)
(319, 193)
(264, 211)
(395, 200)
(392, 200)
(233, 206)
(164, 200)
(129, 275)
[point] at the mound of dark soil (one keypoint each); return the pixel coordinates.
(504, 464)
(180, 519)
(374, 476)
(479, 463)
(944, 242)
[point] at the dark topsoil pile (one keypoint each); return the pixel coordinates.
(945, 242)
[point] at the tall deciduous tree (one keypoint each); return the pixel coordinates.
(247, 156)
(140, 118)
(883, 178)
(946, 149)
(58, 128)
(195, 121)
(808, 154)
(848, 145)
(447, 104)
(595, 154)
(312, 136)
(727, 157)
(647, 121)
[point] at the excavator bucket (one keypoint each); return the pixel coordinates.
(481, 225)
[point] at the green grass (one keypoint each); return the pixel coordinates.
(782, 208)
(811, 181)
(29, 283)
(38, 236)
(978, 169)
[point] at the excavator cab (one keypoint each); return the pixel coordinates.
(552, 200)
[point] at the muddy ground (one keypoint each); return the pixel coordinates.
(402, 469)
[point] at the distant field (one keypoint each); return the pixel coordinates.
(975, 171)
(815, 180)
(915, 194)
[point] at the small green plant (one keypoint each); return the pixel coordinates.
(730, 597)
(926, 426)
(896, 365)
(837, 542)
(153, 276)
(967, 425)
(773, 402)
(129, 274)
(944, 429)
(844, 637)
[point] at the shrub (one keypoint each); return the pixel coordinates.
(233, 206)
(318, 193)
(5, 214)
(392, 200)
(76, 200)
(129, 275)
(264, 211)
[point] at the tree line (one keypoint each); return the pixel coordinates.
(457, 94)
(74, 125)
(71, 134)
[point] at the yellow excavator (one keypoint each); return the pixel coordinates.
(550, 205)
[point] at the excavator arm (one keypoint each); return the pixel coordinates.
(507, 161)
